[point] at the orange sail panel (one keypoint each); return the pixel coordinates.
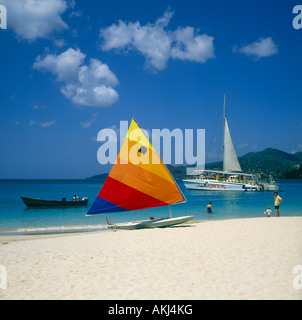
(138, 179)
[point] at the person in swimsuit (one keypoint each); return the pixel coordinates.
(209, 208)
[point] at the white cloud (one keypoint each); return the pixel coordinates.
(38, 106)
(74, 13)
(33, 19)
(264, 47)
(243, 145)
(65, 66)
(43, 124)
(192, 47)
(88, 85)
(60, 43)
(90, 122)
(156, 43)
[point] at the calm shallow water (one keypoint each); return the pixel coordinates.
(15, 217)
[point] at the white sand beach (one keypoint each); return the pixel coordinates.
(232, 259)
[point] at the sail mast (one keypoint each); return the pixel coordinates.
(170, 212)
(224, 114)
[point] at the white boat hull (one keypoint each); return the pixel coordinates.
(199, 184)
(159, 223)
(271, 187)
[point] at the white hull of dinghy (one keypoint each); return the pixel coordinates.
(159, 223)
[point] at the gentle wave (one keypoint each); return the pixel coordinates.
(62, 229)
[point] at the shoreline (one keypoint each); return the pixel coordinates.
(50, 232)
(79, 230)
(250, 258)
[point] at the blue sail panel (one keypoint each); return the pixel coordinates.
(101, 205)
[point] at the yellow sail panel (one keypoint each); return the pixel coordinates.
(136, 134)
(142, 154)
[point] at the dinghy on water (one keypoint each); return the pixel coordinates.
(138, 180)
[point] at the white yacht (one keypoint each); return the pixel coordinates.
(231, 178)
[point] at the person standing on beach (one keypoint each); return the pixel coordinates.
(277, 201)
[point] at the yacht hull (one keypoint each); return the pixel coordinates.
(208, 185)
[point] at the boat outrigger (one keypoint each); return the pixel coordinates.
(231, 178)
(140, 184)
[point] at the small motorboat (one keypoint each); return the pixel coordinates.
(40, 203)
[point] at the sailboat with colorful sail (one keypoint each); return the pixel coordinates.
(138, 180)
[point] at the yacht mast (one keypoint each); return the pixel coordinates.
(224, 114)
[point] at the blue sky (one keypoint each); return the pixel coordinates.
(70, 68)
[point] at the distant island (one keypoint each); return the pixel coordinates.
(99, 177)
(279, 164)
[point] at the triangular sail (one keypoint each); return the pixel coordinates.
(140, 184)
(230, 160)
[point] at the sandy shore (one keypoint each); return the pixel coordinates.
(231, 259)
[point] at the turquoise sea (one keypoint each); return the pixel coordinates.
(16, 218)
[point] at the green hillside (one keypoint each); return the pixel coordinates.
(278, 163)
(268, 161)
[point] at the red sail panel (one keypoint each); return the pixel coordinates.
(127, 197)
